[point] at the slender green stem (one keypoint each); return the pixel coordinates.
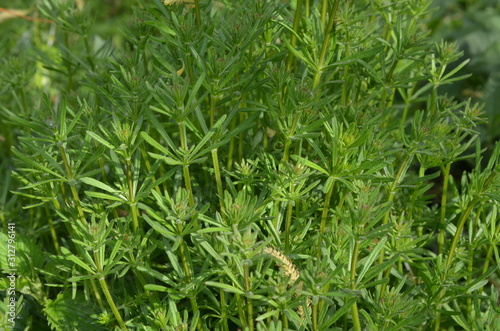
(69, 175)
(218, 180)
(240, 139)
(131, 193)
(286, 151)
(345, 86)
(277, 209)
(355, 317)
(22, 96)
(444, 200)
(433, 103)
(489, 255)
(354, 262)
(105, 289)
(324, 11)
(187, 182)
(52, 229)
(185, 167)
(470, 263)
(391, 71)
(212, 110)
(196, 310)
(187, 273)
(146, 158)
(324, 216)
(184, 261)
(326, 43)
(97, 294)
(451, 254)
(288, 224)
(288, 142)
(293, 39)
(407, 100)
(241, 313)
(420, 229)
(401, 172)
(223, 310)
(68, 63)
(458, 232)
(197, 12)
(314, 316)
(246, 276)
(231, 147)
(89, 52)
(81, 218)
(399, 176)
(182, 134)
(437, 320)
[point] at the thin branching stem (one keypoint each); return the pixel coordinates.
(326, 43)
(288, 224)
(185, 167)
(293, 37)
(354, 262)
(105, 289)
(444, 199)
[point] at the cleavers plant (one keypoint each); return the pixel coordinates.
(250, 165)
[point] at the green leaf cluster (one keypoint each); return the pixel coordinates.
(252, 165)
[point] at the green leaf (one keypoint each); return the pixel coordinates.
(98, 184)
(341, 312)
(195, 88)
(370, 259)
(70, 257)
(120, 175)
(208, 248)
(154, 143)
(43, 182)
(304, 57)
(35, 164)
(310, 164)
(101, 140)
(225, 287)
(377, 270)
(153, 287)
(481, 281)
(446, 78)
(159, 228)
(369, 53)
(105, 196)
(268, 314)
(52, 162)
(156, 274)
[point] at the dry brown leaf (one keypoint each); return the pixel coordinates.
(6, 14)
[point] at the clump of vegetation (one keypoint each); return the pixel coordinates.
(474, 25)
(253, 165)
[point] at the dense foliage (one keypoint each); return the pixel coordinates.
(253, 165)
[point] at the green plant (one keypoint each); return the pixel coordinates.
(475, 26)
(257, 165)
